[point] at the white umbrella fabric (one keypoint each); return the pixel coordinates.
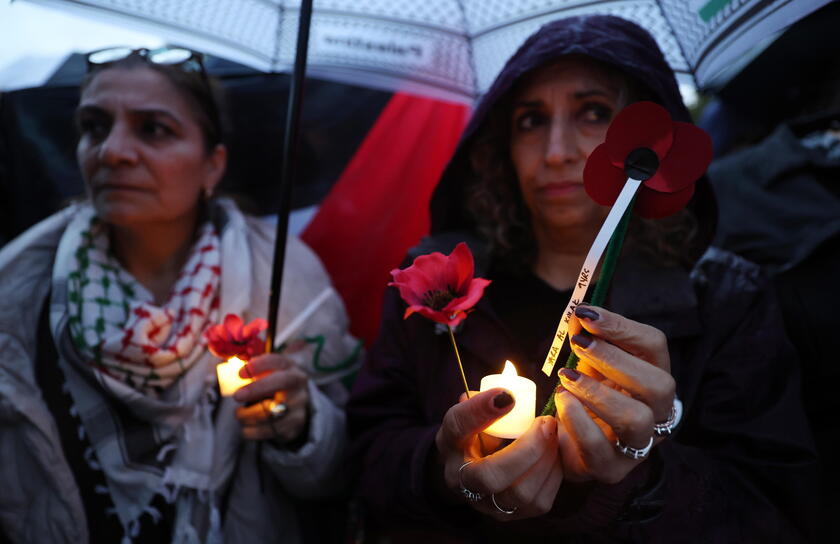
(447, 49)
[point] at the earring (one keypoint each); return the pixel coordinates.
(208, 193)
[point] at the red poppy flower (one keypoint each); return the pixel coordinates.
(233, 338)
(644, 143)
(441, 287)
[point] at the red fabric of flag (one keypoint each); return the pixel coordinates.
(379, 207)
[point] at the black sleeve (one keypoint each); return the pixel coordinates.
(742, 466)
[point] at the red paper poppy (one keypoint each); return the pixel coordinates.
(644, 143)
(232, 338)
(441, 287)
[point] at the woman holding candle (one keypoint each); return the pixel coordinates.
(113, 429)
(689, 331)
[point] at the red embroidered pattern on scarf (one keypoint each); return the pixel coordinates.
(188, 323)
(123, 333)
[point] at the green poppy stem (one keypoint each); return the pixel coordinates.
(599, 293)
(458, 357)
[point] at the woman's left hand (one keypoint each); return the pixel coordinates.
(622, 386)
(277, 380)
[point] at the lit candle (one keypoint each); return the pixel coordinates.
(524, 392)
(228, 374)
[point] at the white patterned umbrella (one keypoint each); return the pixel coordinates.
(450, 49)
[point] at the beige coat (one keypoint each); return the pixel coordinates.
(39, 498)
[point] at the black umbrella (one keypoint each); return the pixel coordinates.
(287, 176)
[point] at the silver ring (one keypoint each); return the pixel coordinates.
(471, 496)
(499, 508)
(667, 427)
(277, 410)
(634, 453)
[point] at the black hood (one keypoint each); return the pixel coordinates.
(612, 40)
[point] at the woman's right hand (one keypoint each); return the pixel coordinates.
(525, 475)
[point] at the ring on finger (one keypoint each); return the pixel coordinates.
(277, 410)
(667, 427)
(471, 496)
(634, 453)
(499, 508)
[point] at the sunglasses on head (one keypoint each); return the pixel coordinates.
(186, 59)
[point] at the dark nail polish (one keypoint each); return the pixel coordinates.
(585, 312)
(582, 339)
(570, 374)
(502, 400)
(559, 389)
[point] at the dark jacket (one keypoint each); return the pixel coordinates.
(734, 472)
(779, 199)
(780, 207)
(737, 469)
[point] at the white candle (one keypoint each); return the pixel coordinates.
(524, 392)
(228, 374)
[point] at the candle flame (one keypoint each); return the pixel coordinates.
(235, 363)
(509, 370)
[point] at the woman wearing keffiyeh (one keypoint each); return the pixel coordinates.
(111, 422)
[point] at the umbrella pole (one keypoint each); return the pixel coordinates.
(288, 169)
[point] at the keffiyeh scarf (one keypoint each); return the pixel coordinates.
(142, 382)
(116, 325)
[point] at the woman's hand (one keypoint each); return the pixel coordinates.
(277, 379)
(522, 477)
(622, 386)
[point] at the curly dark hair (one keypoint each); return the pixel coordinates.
(495, 202)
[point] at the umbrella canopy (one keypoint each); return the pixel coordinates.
(449, 49)
(445, 49)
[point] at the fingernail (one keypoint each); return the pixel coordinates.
(582, 339)
(570, 374)
(502, 400)
(587, 313)
(548, 428)
(559, 389)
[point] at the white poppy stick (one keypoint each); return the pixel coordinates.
(588, 270)
(299, 320)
